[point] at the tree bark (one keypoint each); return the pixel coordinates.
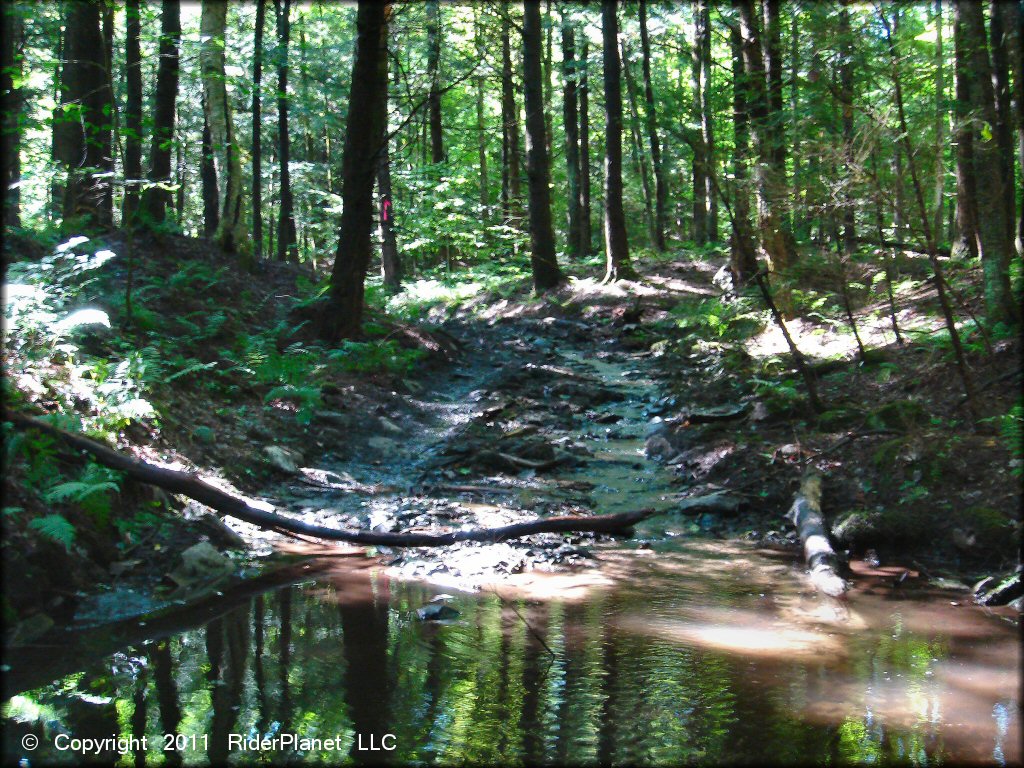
(80, 140)
(966, 238)
(994, 231)
(660, 187)
(510, 188)
(342, 316)
(775, 237)
(208, 174)
(845, 93)
(616, 245)
(485, 201)
(157, 196)
(570, 118)
(1015, 21)
(232, 232)
(257, 131)
(700, 54)
(287, 249)
(433, 76)
(1003, 35)
(586, 230)
(391, 262)
(133, 114)
(191, 485)
(743, 260)
(546, 274)
(637, 149)
(806, 516)
(12, 42)
(940, 124)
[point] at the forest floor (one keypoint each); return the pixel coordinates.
(486, 406)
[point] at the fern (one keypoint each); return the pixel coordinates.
(76, 491)
(56, 528)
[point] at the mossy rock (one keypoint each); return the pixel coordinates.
(992, 529)
(839, 418)
(903, 415)
(885, 455)
(861, 528)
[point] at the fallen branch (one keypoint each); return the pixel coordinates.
(805, 514)
(194, 487)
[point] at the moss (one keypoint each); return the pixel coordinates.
(860, 529)
(839, 418)
(992, 529)
(902, 415)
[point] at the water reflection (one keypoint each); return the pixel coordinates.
(684, 657)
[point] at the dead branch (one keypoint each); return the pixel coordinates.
(805, 514)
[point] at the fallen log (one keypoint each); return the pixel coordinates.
(191, 485)
(805, 514)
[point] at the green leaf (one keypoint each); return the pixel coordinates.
(55, 527)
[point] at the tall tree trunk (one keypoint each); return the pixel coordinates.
(1015, 21)
(180, 176)
(232, 232)
(342, 316)
(776, 239)
(12, 40)
(208, 174)
(133, 113)
(638, 151)
(546, 274)
(940, 124)
(1003, 34)
(846, 106)
(776, 123)
(105, 134)
(586, 231)
(570, 118)
(485, 201)
(993, 230)
(287, 250)
(660, 188)
(616, 245)
(700, 54)
(257, 126)
(157, 196)
(548, 87)
(744, 263)
(433, 76)
(80, 137)
(391, 263)
(510, 189)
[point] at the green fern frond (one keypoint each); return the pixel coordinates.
(56, 528)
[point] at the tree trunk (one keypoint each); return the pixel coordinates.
(342, 316)
(570, 115)
(966, 238)
(79, 137)
(586, 231)
(231, 234)
(208, 174)
(744, 263)
(433, 76)
(1015, 21)
(391, 263)
(157, 196)
(1003, 36)
(546, 274)
(133, 114)
(700, 54)
(12, 41)
(638, 151)
(660, 188)
(776, 123)
(548, 88)
(485, 201)
(257, 130)
(510, 189)
(940, 124)
(105, 134)
(993, 228)
(806, 516)
(287, 250)
(846, 106)
(616, 246)
(776, 240)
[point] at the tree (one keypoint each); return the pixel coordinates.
(743, 259)
(391, 263)
(82, 131)
(133, 113)
(993, 230)
(433, 77)
(287, 248)
(651, 114)
(570, 116)
(637, 150)
(510, 191)
(208, 179)
(157, 195)
(546, 274)
(257, 138)
(232, 232)
(586, 231)
(342, 315)
(616, 245)
(704, 224)
(12, 33)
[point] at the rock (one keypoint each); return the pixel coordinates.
(658, 447)
(901, 415)
(382, 444)
(204, 434)
(334, 418)
(436, 612)
(721, 502)
(36, 625)
(1006, 591)
(656, 426)
(200, 562)
(284, 459)
(390, 427)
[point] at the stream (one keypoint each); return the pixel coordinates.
(666, 647)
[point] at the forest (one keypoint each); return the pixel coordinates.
(626, 382)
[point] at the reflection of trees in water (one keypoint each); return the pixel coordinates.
(166, 694)
(259, 675)
(284, 608)
(138, 722)
(227, 645)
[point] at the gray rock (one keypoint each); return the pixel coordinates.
(658, 447)
(721, 502)
(284, 459)
(382, 444)
(200, 562)
(436, 612)
(390, 427)
(204, 434)
(656, 426)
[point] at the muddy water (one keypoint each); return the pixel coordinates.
(664, 649)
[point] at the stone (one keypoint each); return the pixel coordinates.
(382, 444)
(721, 502)
(390, 427)
(658, 447)
(436, 612)
(204, 434)
(285, 459)
(200, 562)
